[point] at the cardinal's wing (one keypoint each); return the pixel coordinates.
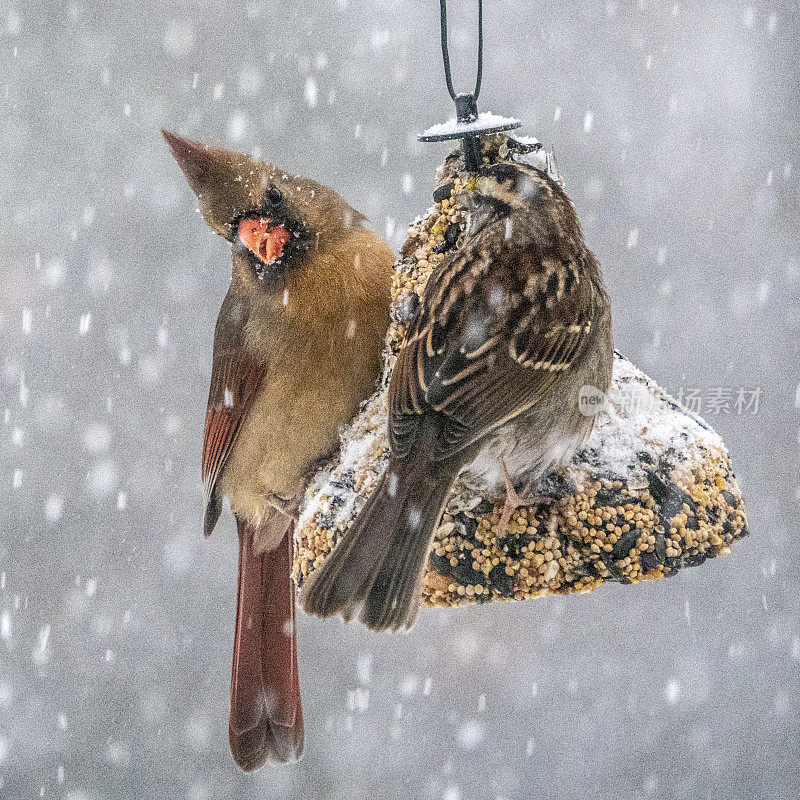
(235, 378)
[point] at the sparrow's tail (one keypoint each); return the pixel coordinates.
(266, 719)
(378, 565)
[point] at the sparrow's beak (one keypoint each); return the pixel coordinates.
(263, 238)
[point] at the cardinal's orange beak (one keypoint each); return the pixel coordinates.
(263, 238)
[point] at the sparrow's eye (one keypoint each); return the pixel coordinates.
(274, 197)
(504, 173)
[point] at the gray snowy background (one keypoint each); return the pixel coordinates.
(676, 128)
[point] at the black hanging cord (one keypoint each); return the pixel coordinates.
(446, 55)
(469, 126)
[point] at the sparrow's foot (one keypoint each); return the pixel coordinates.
(513, 500)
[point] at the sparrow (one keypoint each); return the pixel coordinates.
(297, 347)
(510, 326)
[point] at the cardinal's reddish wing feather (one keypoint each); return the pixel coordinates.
(266, 720)
(235, 378)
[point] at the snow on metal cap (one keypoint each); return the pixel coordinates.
(468, 123)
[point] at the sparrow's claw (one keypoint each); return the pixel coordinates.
(528, 496)
(510, 504)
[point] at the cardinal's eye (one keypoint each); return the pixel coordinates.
(274, 197)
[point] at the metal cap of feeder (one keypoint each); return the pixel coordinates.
(468, 126)
(468, 123)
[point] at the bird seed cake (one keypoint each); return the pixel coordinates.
(652, 490)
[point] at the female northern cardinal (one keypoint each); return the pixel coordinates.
(297, 346)
(510, 328)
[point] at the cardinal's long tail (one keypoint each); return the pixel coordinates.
(378, 565)
(266, 719)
